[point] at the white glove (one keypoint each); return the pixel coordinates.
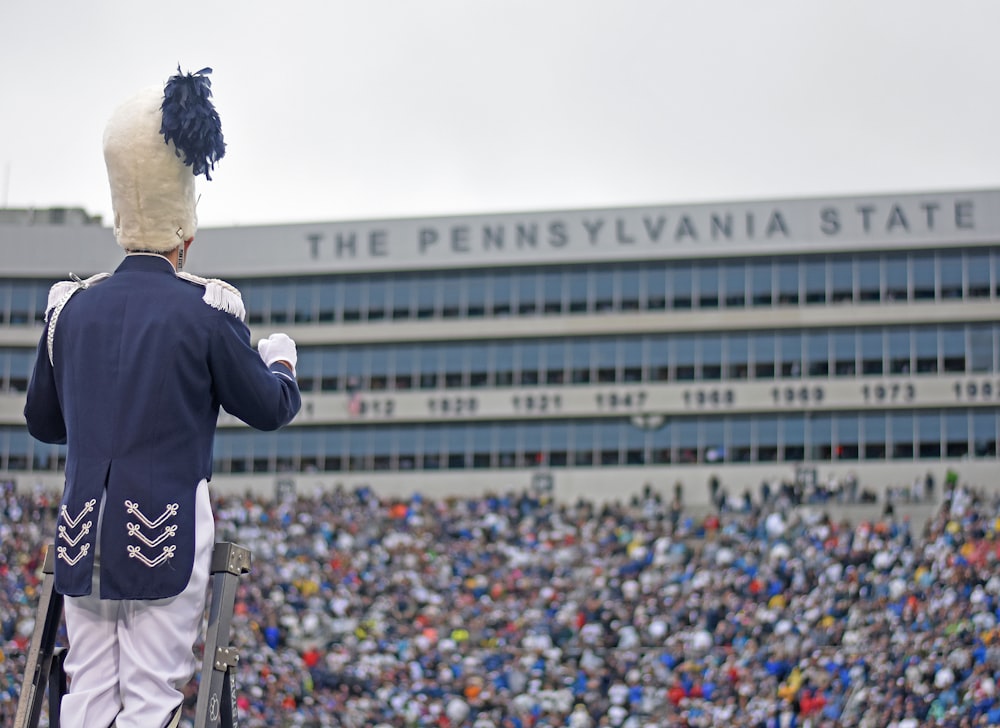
(278, 347)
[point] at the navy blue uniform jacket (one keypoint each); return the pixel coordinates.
(141, 365)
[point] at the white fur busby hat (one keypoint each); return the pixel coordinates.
(155, 144)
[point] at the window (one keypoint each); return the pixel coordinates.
(262, 448)
(429, 358)
(708, 285)
(310, 450)
(767, 439)
(605, 354)
(352, 289)
(814, 270)
(740, 448)
(984, 434)
(763, 352)
(333, 451)
(926, 350)
(681, 284)
(255, 302)
(635, 445)
(479, 365)
(953, 348)
(899, 351)
(869, 278)
(583, 444)
(609, 442)
(330, 370)
(711, 356)
(286, 445)
(407, 447)
(356, 368)
(632, 359)
(737, 356)
(402, 297)
(503, 364)
(841, 280)
(950, 270)
(555, 362)
(305, 294)
(684, 357)
(895, 279)
(793, 438)
(687, 440)
(821, 437)
(20, 363)
(426, 294)
(923, 277)
(383, 448)
(18, 444)
(501, 293)
(871, 352)
(711, 440)
(661, 444)
(655, 279)
(760, 283)
(433, 446)
(405, 361)
(978, 273)
(981, 348)
(378, 299)
(558, 445)
(577, 280)
(604, 290)
(482, 446)
(451, 295)
(380, 365)
(734, 282)
(929, 435)
(790, 351)
(788, 282)
(902, 435)
(329, 301)
(530, 362)
(659, 359)
(533, 444)
(873, 430)
(456, 446)
(846, 427)
(817, 354)
(630, 293)
(455, 365)
(21, 300)
(552, 291)
(475, 288)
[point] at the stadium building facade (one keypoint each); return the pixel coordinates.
(593, 351)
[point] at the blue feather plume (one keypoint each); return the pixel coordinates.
(191, 122)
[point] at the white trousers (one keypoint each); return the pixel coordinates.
(129, 659)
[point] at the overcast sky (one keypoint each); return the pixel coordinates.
(369, 109)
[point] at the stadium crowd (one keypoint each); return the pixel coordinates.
(516, 611)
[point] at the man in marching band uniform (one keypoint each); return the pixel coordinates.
(130, 373)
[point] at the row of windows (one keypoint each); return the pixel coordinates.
(843, 436)
(649, 286)
(580, 289)
(623, 359)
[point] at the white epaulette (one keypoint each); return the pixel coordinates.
(59, 294)
(219, 294)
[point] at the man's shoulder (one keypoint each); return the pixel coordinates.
(62, 291)
(217, 293)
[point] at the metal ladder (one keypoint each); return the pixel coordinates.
(216, 707)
